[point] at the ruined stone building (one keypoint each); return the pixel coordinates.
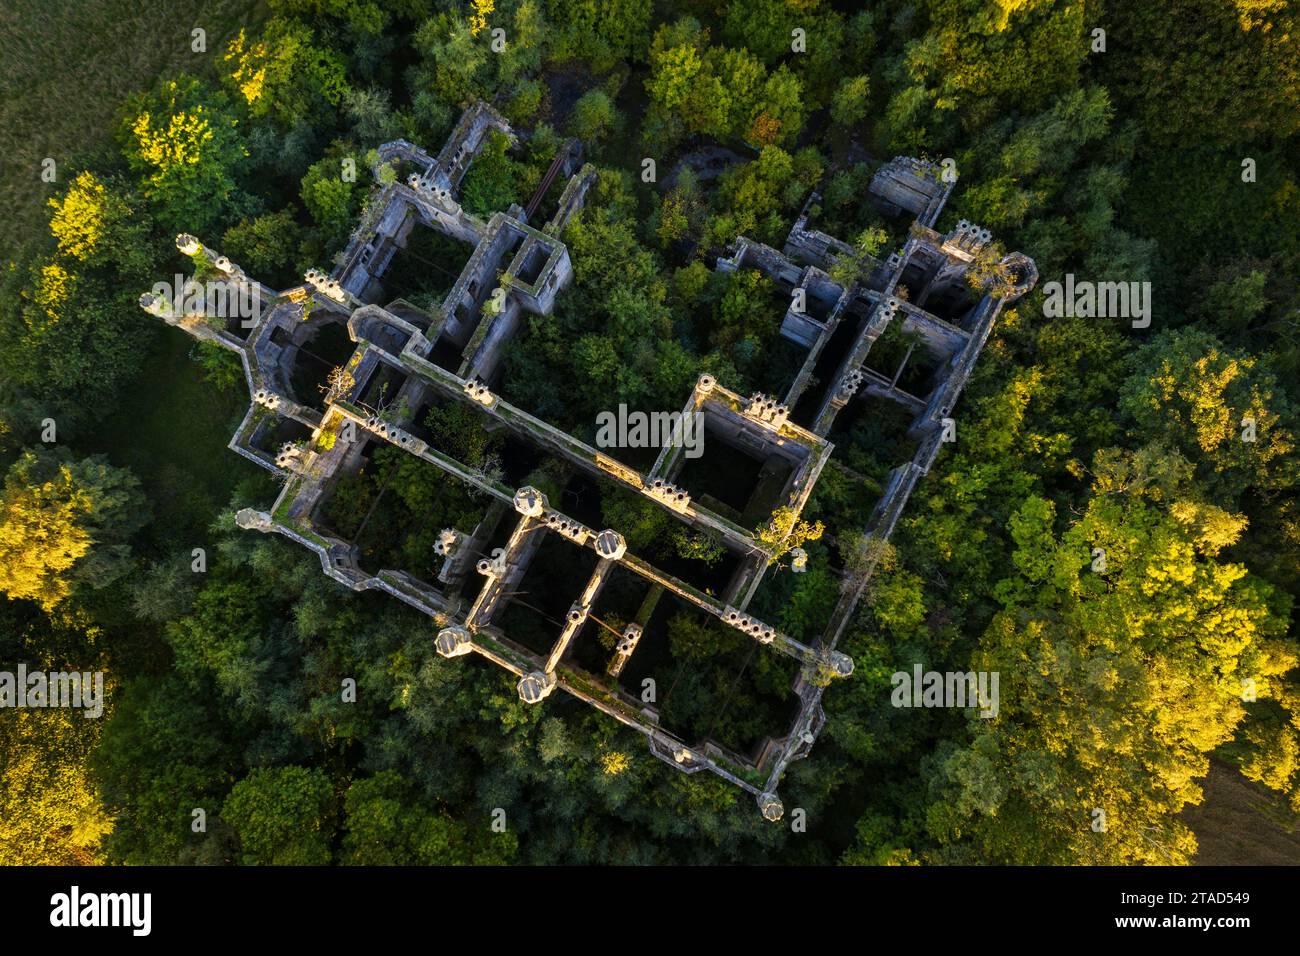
(403, 357)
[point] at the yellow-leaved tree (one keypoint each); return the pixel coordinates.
(1127, 651)
(51, 810)
(64, 524)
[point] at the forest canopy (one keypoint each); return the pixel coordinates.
(1166, 150)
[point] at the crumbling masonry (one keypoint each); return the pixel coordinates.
(452, 353)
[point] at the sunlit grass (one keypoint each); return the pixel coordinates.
(67, 66)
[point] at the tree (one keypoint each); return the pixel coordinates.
(478, 19)
(1017, 157)
(164, 752)
(778, 114)
(751, 198)
(1097, 743)
(1222, 408)
(784, 532)
(492, 182)
(70, 329)
(363, 17)
(599, 32)
(529, 44)
(593, 116)
(87, 219)
(763, 27)
(945, 74)
(525, 102)
(181, 141)
(698, 546)
(458, 429)
(165, 591)
(641, 522)
(719, 91)
(64, 525)
(812, 599)
(223, 636)
(332, 200)
(849, 105)
(1158, 56)
(385, 826)
(269, 246)
(287, 75)
(709, 90)
(858, 265)
(51, 813)
(371, 115)
(745, 321)
(282, 816)
(740, 76)
(839, 47)
(456, 66)
(613, 326)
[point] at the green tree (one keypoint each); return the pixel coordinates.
(371, 115)
(288, 74)
(1157, 57)
(784, 532)
(98, 223)
(333, 200)
(492, 182)
(181, 141)
(641, 522)
(849, 106)
(70, 328)
(455, 67)
(764, 27)
(282, 816)
(268, 247)
(593, 116)
(598, 32)
(164, 752)
(384, 826)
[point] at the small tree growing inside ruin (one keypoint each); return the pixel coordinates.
(861, 552)
(785, 532)
(338, 384)
(848, 269)
(988, 274)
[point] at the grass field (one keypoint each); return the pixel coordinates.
(1242, 823)
(65, 69)
(171, 428)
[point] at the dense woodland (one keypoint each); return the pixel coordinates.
(1118, 686)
